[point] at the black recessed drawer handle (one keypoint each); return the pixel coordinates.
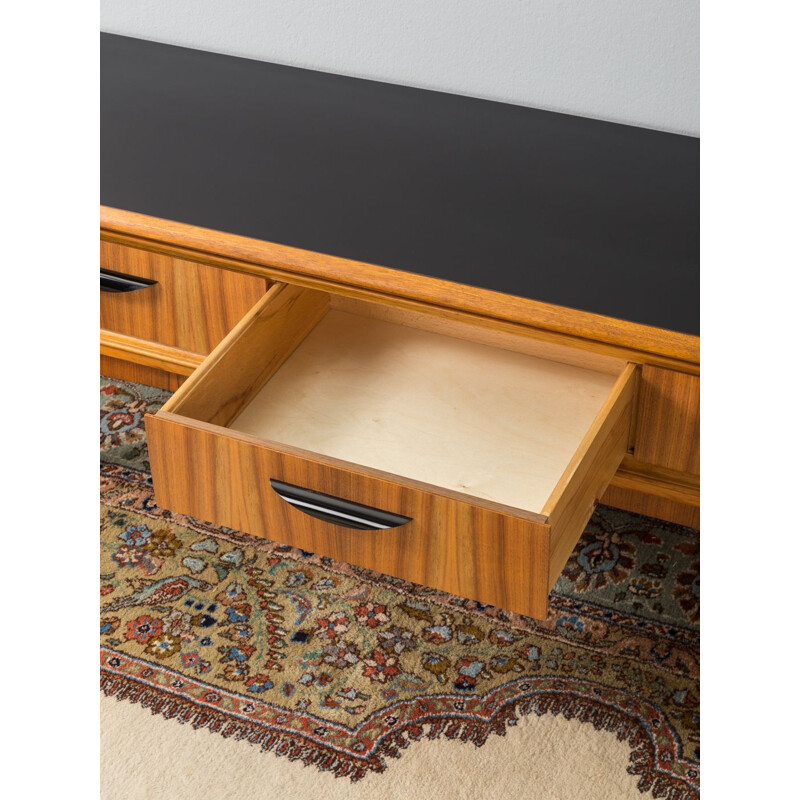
(111, 281)
(337, 511)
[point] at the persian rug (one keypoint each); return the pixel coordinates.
(343, 668)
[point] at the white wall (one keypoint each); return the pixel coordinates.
(633, 61)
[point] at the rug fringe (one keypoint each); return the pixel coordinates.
(286, 744)
(186, 712)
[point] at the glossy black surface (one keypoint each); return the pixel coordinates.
(586, 214)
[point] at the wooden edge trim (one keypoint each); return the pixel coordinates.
(149, 354)
(659, 482)
(592, 342)
(279, 262)
(650, 505)
(623, 388)
(169, 415)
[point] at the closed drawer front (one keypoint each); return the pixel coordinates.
(179, 304)
(438, 450)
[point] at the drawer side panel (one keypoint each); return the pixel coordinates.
(595, 464)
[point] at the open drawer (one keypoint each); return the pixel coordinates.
(454, 452)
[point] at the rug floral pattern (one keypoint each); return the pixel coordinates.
(342, 667)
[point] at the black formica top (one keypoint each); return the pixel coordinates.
(592, 215)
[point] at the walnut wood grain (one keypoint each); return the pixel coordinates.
(596, 333)
(216, 474)
(573, 500)
(128, 371)
(668, 432)
(148, 354)
(652, 505)
(679, 487)
(191, 307)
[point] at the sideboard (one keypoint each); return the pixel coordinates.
(516, 288)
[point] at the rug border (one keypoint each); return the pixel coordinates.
(648, 760)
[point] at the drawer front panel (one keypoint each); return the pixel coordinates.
(469, 550)
(191, 307)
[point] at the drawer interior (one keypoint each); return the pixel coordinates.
(445, 411)
(480, 410)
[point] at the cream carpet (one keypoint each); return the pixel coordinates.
(145, 757)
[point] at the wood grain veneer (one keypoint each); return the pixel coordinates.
(655, 492)
(679, 487)
(129, 371)
(600, 452)
(217, 474)
(668, 433)
(652, 505)
(190, 308)
(148, 354)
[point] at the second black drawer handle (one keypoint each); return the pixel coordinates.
(337, 511)
(111, 281)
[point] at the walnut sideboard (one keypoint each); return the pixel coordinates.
(444, 434)
(527, 347)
